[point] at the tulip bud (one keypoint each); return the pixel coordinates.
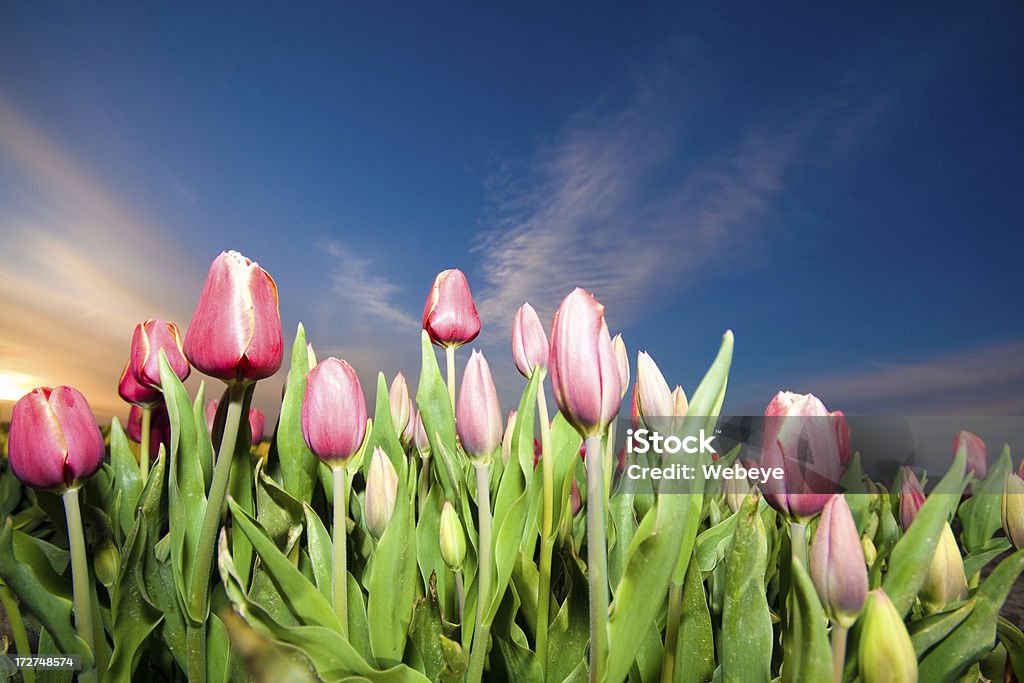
(679, 402)
(622, 358)
(235, 333)
(450, 316)
(736, 490)
(911, 497)
(634, 409)
(945, 581)
(256, 422)
(54, 441)
(575, 498)
(837, 563)
(976, 457)
(106, 560)
(131, 391)
(1013, 509)
(885, 653)
(333, 411)
(584, 372)
(654, 398)
(870, 551)
(799, 437)
(842, 430)
(211, 414)
(398, 401)
(529, 343)
(478, 415)
(148, 340)
(420, 439)
(409, 433)
(506, 439)
(381, 493)
(452, 539)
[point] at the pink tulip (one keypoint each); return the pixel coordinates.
(799, 437)
(419, 437)
(148, 340)
(529, 343)
(399, 403)
(622, 359)
(654, 398)
(837, 567)
(842, 436)
(911, 497)
(976, 454)
(584, 371)
(478, 413)
(159, 428)
(131, 391)
(211, 414)
(333, 411)
(235, 333)
(450, 316)
(54, 441)
(680, 405)
(256, 422)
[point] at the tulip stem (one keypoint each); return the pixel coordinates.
(838, 651)
(449, 352)
(547, 540)
(597, 559)
(21, 645)
(675, 604)
(147, 421)
(340, 576)
(82, 590)
(460, 589)
(798, 540)
(481, 631)
(199, 592)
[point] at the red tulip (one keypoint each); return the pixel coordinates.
(333, 411)
(976, 456)
(837, 563)
(911, 497)
(235, 333)
(529, 343)
(584, 370)
(799, 437)
(148, 340)
(256, 421)
(131, 391)
(54, 441)
(159, 428)
(450, 316)
(478, 414)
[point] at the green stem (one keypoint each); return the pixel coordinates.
(460, 589)
(449, 352)
(798, 540)
(838, 652)
(547, 529)
(17, 629)
(597, 559)
(675, 604)
(199, 591)
(424, 483)
(481, 631)
(79, 569)
(147, 421)
(340, 574)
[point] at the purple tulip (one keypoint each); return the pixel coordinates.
(333, 411)
(54, 441)
(131, 391)
(976, 454)
(911, 497)
(256, 422)
(235, 333)
(837, 563)
(478, 414)
(450, 316)
(584, 370)
(529, 343)
(148, 340)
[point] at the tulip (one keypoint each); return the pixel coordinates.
(945, 581)
(837, 563)
(398, 401)
(842, 430)
(381, 493)
(799, 438)
(911, 497)
(211, 414)
(622, 358)
(333, 411)
(736, 490)
(655, 402)
(148, 340)
(138, 395)
(450, 316)
(1013, 509)
(584, 371)
(529, 343)
(452, 539)
(106, 560)
(256, 422)
(420, 439)
(976, 459)
(408, 434)
(679, 403)
(235, 333)
(870, 551)
(575, 498)
(54, 441)
(506, 440)
(885, 652)
(478, 417)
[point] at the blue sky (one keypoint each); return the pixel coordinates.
(840, 184)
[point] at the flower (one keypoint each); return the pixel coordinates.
(679, 403)
(842, 430)
(54, 441)
(452, 539)
(419, 438)
(622, 358)
(945, 581)
(450, 316)
(235, 333)
(529, 343)
(1013, 509)
(478, 414)
(654, 399)
(333, 411)
(584, 371)
(885, 653)
(837, 563)
(211, 414)
(148, 340)
(398, 401)
(381, 493)
(911, 497)
(131, 391)
(976, 458)
(256, 421)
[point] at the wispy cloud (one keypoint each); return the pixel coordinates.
(363, 293)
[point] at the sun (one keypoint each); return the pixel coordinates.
(14, 385)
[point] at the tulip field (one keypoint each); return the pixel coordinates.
(418, 531)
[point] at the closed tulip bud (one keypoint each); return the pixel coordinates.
(452, 539)
(736, 490)
(529, 343)
(381, 493)
(420, 439)
(885, 653)
(945, 581)
(870, 551)
(409, 433)
(256, 422)
(799, 437)
(398, 401)
(131, 391)
(679, 403)
(842, 430)
(634, 409)
(450, 316)
(106, 560)
(478, 414)
(977, 461)
(211, 414)
(584, 371)
(911, 497)
(333, 411)
(654, 398)
(54, 441)
(837, 563)
(506, 439)
(1013, 510)
(575, 499)
(235, 333)
(622, 359)
(148, 340)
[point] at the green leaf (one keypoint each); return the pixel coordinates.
(218, 651)
(1013, 640)
(695, 655)
(321, 553)
(924, 633)
(713, 543)
(569, 632)
(298, 463)
(981, 514)
(435, 408)
(280, 515)
(133, 618)
(383, 434)
(808, 655)
(428, 551)
(127, 478)
(443, 659)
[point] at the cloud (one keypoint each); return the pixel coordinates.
(365, 295)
